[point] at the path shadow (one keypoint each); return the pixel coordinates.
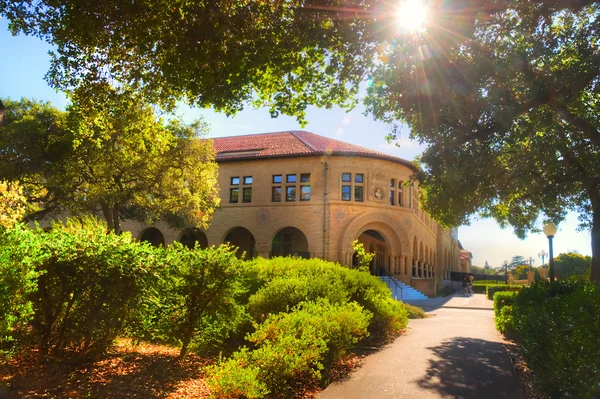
(471, 368)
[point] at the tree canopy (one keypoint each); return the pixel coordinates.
(571, 264)
(504, 93)
(109, 153)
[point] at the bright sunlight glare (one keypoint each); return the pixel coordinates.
(411, 15)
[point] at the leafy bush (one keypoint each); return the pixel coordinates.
(479, 289)
(19, 254)
(199, 301)
(487, 282)
(291, 350)
(280, 284)
(414, 312)
(503, 318)
(90, 283)
(492, 289)
(558, 327)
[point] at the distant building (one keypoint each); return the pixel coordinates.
(297, 193)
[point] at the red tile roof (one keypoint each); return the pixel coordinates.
(291, 144)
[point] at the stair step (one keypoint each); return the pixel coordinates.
(401, 290)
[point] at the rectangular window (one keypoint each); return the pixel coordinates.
(290, 193)
(247, 194)
(305, 178)
(248, 180)
(393, 183)
(277, 179)
(276, 194)
(392, 195)
(358, 193)
(346, 177)
(346, 193)
(290, 178)
(400, 198)
(234, 194)
(358, 178)
(304, 193)
(235, 181)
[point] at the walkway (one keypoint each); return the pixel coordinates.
(455, 353)
(476, 301)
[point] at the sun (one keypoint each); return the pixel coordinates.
(411, 15)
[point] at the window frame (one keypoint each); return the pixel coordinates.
(287, 178)
(251, 180)
(231, 191)
(273, 181)
(362, 194)
(349, 186)
(231, 183)
(244, 190)
(302, 187)
(273, 193)
(287, 193)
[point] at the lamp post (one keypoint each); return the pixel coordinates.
(550, 231)
(505, 263)
(531, 263)
(542, 254)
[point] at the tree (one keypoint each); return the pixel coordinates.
(570, 264)
(518, 260)
(109, 153)
(504, 93)
(12, 203)
(507, 100)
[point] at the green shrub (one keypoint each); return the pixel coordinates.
(291, 350)
(492, 289)
(478, 289)
(503, 318)
(198, 303)
(487, 282)
(90, 283)
(19, 255)
(414, 312)
(279, 284)
(558, 327)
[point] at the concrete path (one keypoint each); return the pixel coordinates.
(455, 353)
(475, 301)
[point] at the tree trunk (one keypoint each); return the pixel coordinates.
(106, 212)
(116, 221)
(596, 239)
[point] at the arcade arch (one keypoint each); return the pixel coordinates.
(153, 236)
(290, 241)
(192, 236)
(242, 238)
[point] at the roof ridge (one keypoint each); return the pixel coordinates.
(293, 133)
(259, 134)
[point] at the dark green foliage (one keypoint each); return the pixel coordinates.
(479, 289)
(570, 264)
(503, 317)
(285, 282)
(200, 304)
(559, 330)
(292, 349)
(492, 289)
(20, 251)
(80, 282)
(414, 312)
(520, 273)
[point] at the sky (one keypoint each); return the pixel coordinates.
(24, 61)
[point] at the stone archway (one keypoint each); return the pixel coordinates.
(290, 241)
(374, 242)
(192, 236)
(391, 230)
(243, 239)
(153, 236)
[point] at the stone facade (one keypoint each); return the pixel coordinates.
(323, 220)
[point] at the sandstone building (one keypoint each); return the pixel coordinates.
(298, 193)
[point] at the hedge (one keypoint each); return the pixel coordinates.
(558, 325)
(503, 304)
(492, 289)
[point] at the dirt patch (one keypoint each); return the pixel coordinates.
(143, 371)
(524, 373)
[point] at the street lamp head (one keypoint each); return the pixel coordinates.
(505, 263)
(549, 229)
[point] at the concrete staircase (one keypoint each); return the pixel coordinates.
(401, 291)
